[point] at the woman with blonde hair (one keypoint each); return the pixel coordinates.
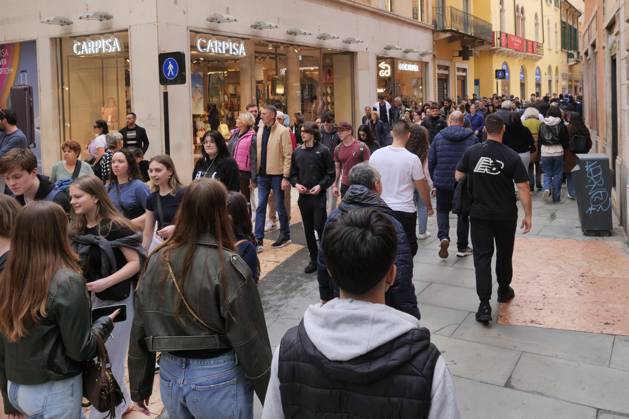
(198, 305)
(111, 255)
(46, 331)
(162, 203)
(242, 147)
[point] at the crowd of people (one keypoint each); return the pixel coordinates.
(180, 263)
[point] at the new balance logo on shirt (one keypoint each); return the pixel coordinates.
(489, 166)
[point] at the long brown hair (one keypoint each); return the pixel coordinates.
(203, 210)
(174, 183)
(107, 212)
(39, 248)
(418, 142)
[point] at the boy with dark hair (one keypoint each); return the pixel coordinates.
(19, 168)
(354, 356)
(10, 135)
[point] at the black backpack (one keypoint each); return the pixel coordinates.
(579, 144)
(549, 135)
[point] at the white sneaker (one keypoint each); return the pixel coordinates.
(270, 226)
(547, 195)
(423, 236)
(465, 252)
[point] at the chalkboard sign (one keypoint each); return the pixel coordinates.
(594, 194)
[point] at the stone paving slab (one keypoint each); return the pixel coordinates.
(444, 274)
(594, 349)
(478, 362)
(604, 415)
(458, 298)
(441, 320)
(486, 401)
(596, 386)
(620, 354)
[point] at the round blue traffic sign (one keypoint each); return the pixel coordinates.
(170, 68)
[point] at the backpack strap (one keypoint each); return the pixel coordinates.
(77, 170)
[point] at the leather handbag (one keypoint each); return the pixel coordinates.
(99, 384)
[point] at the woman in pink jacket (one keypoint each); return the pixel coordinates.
(242, 147)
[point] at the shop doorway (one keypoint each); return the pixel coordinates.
(504, 83)
(461, 83)
(443, 82)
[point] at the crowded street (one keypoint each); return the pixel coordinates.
(357, 209)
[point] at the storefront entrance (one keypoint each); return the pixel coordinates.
(94, 71)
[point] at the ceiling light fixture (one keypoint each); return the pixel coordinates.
(219, 18)
(261, 25)
(297, 32)
(326, 36)
(57, 20)
(99, 16)
(392, 47)
(352, 40)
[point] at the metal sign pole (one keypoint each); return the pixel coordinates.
(166, 122)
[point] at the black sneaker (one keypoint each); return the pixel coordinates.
(504, 296)
(483, 314)
(281, 242)
(310, 268)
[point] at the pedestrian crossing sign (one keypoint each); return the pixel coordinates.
(172, 68)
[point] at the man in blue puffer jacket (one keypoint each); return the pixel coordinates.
(445, 152)
(364, 191)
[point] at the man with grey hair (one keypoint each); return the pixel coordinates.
(396, 112)
(445, 152)
(115, 142)
(364, 191)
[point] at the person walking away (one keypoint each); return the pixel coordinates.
(71, 166)
(418, 145)
(216, 163)
(19, 169)
(364, 192)
(519, 139)
(445, 152)
(111, 254)
(162, 203)
(532, 122)
(274, 152)
(347, 154)
(402, 173)
(554, 139)
(312, 173)
(9, 209)
(45, 316)
(396, 112)
(242, 147)
(125, 189)
(434, 122)
(492, 169)
(366, 136)
(240, 213)
(134, 135)
(198, 305)
(330, 139)
(580, 142)
(372, 360)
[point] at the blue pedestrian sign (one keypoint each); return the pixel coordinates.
(172, 68)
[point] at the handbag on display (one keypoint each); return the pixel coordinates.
(99, 384)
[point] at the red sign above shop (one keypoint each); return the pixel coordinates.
(516, 43)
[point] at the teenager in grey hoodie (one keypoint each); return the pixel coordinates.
(354, 355)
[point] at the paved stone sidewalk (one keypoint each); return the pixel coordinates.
(501, 371)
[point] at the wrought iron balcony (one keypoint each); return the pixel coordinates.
(518, 46)
(451, 19)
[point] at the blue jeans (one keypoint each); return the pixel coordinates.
(422, 214)
(54, 399)
(213, 388)
(265, 185)
(552, 167)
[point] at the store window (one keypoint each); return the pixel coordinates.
(538, 81)
(95, 83)
(406, 79)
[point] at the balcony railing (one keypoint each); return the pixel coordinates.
(517, 44)
(453, 19)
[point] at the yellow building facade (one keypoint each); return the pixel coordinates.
(525, 43)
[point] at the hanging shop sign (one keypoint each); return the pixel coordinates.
(104, 45)
(221, 47)
(384, 69)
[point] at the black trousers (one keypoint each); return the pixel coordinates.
(484, 234)
(313, 216)
(409, 222)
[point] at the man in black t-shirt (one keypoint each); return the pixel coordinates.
(492, 169)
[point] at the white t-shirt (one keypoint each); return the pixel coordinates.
(399, 169)
(98, 142)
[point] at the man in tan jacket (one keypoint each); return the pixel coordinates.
(274, 149)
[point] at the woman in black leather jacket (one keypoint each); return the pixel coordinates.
(198, 305)
(45, 320)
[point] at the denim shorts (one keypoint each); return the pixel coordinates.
(213, 388)
(52, 400)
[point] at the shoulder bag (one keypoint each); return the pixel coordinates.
(99, 384)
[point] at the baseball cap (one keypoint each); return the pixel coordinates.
(344, 126)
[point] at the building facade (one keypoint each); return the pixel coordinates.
(85, 63)
(604, 47)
